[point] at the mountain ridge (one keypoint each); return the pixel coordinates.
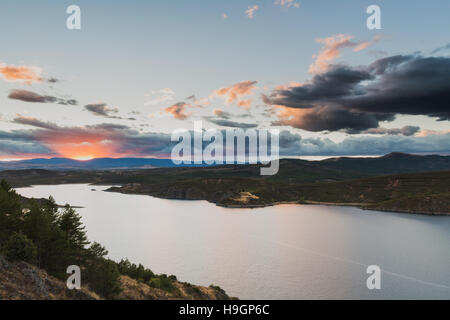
(434, 162)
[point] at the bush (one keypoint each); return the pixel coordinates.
(19, 247)
(137, 272)
(161, 282)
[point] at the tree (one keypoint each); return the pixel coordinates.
(53, 252)
(10, 211)
(19, 247)
(70, 223)
(102, 274)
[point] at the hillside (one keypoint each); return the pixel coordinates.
(291, 171)
(23, 281)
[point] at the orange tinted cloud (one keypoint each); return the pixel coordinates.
(20, 73)
(237, 91)
(332, 47)
(77, 142)
(290, 117)
(426, 132)
(291, 84)
(85, 150)
(178, 111)
(246, 104)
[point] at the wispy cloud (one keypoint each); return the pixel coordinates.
(236, 92)
(30, 96)
(332, 47)
(160, 96)
(405, 131)
(101, 109)
(178, 110)
(446, 47)
(24, 74)
(250, 12)
(287, 3)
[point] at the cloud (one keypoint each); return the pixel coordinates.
(446, 47)
(160, 96)
(24, 74)
(29, 96)
(231, 124)
(114, 140)
(250, 12)
(405, 131)
(34, 122)
(178, 110)
(101, 140)
(101, 109)
(294, 144)
(332, 47)
(221, 114)
(426, 132)
(355, 99)
(236, 92)
(287, 3)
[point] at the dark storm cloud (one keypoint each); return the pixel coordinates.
(357, 99)
(30, 96)
(340, 81)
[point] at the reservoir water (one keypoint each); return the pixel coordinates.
(282, 252)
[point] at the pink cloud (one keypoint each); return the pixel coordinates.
(332, 47)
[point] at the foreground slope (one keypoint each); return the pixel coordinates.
(23, 281)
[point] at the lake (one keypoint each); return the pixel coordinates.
(282, 252)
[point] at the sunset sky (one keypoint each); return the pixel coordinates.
(137, 70)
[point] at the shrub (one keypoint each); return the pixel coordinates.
(19, 247)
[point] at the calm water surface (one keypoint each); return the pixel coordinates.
(283, 252)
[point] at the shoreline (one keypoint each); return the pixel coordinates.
(362, 206)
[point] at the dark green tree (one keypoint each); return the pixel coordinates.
(10, 211)
(53, 251)
(19, 247)
(102, 274)
(70, 223)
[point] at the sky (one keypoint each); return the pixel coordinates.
(138, 70)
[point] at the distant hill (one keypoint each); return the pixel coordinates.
(391, 163)
(94, 164)
(395, 182)
(334, 169)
